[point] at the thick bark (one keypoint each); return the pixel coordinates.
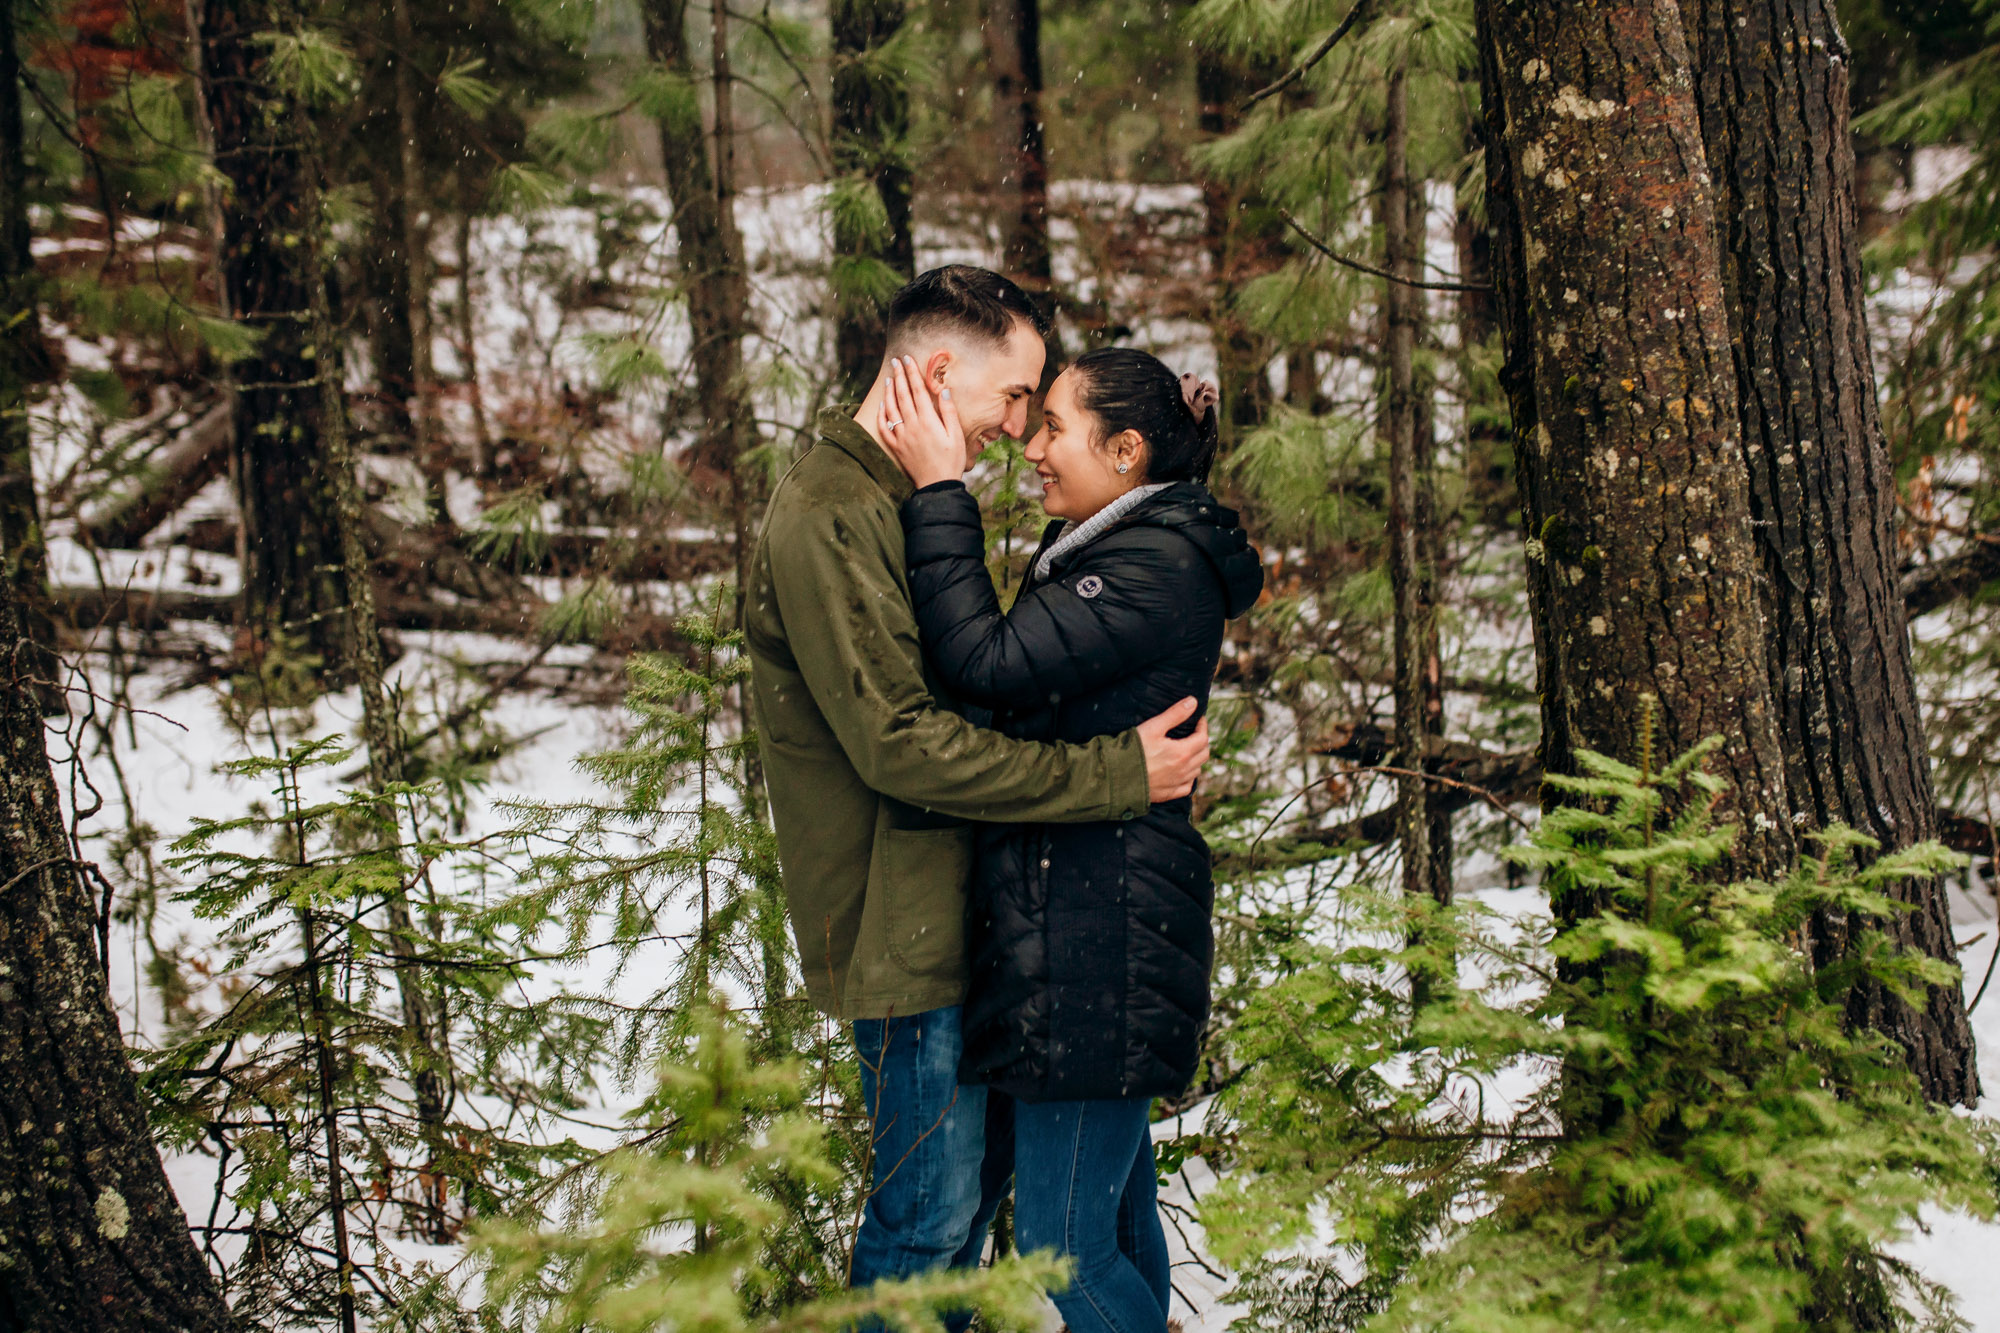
(871, 126)
(291, 545)
(710, 257)
(23, 363)
(1608, 267)
(1772, 88)
(93, 1236)
(1014, 62)
(1412, 575)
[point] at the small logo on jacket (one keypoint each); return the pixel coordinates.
(1089, 586)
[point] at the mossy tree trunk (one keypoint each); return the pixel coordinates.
(1771, 82)
(1608, 266)
(93, 1237)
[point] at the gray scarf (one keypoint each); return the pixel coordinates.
(1082, 534)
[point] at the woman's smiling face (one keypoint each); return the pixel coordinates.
(1080, 476)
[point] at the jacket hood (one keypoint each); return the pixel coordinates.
(1188, 507)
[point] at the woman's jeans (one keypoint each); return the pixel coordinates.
(1084, 1186)
(933, 1194)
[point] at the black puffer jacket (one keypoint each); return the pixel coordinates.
(1090, 943)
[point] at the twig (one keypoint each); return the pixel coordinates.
(1320, 53)
(1338, 258)
(1441, 780)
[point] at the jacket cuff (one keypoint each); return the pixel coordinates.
(937, 488)
(1131, 794)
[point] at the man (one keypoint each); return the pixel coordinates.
(871, 776)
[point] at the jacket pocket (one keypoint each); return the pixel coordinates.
(923, 873)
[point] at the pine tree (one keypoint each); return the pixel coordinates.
(686, 1230)
(261, 79)
(873, 249)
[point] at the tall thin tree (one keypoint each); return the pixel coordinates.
(1422, 835)
(1013, 32)
(709, 253)
(290, 542)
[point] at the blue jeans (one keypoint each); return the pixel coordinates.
(1085, 1187)
(933, 1196)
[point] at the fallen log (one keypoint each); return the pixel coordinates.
(177, 470)
(96, 608)
(1961, 574)
(665, 559)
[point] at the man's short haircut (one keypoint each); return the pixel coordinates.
(962, 299)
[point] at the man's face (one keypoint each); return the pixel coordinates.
(991, 387)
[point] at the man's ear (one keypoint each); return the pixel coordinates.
(935, 366)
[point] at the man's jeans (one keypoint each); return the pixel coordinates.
(1085, 1187)
(933, 1198)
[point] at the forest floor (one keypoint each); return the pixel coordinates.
(178, 739)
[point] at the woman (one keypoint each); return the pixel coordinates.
(1090, 943)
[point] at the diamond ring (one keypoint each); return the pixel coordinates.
(893, 421)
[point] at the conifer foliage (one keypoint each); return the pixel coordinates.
(1646, 1116)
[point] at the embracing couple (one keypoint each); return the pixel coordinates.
(983, 814)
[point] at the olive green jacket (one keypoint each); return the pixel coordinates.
(869, 775)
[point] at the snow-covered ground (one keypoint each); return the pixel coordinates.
(177, 742)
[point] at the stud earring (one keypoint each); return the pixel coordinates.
(1124, 467)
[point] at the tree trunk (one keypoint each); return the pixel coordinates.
(93, 1236)
(386, 277)
(413, 242)
(290, 545)
(1411, 574)
(712, 269)
(1244, 238)
(425, 1029)
(1772, 88)
(871, 125)
(1014, 61)
(1608, 264)
(23, 364)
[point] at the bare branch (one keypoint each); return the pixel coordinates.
(1338, 258)
(1320, 53)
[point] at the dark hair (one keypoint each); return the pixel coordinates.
(964, 299)
(1126, 390)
